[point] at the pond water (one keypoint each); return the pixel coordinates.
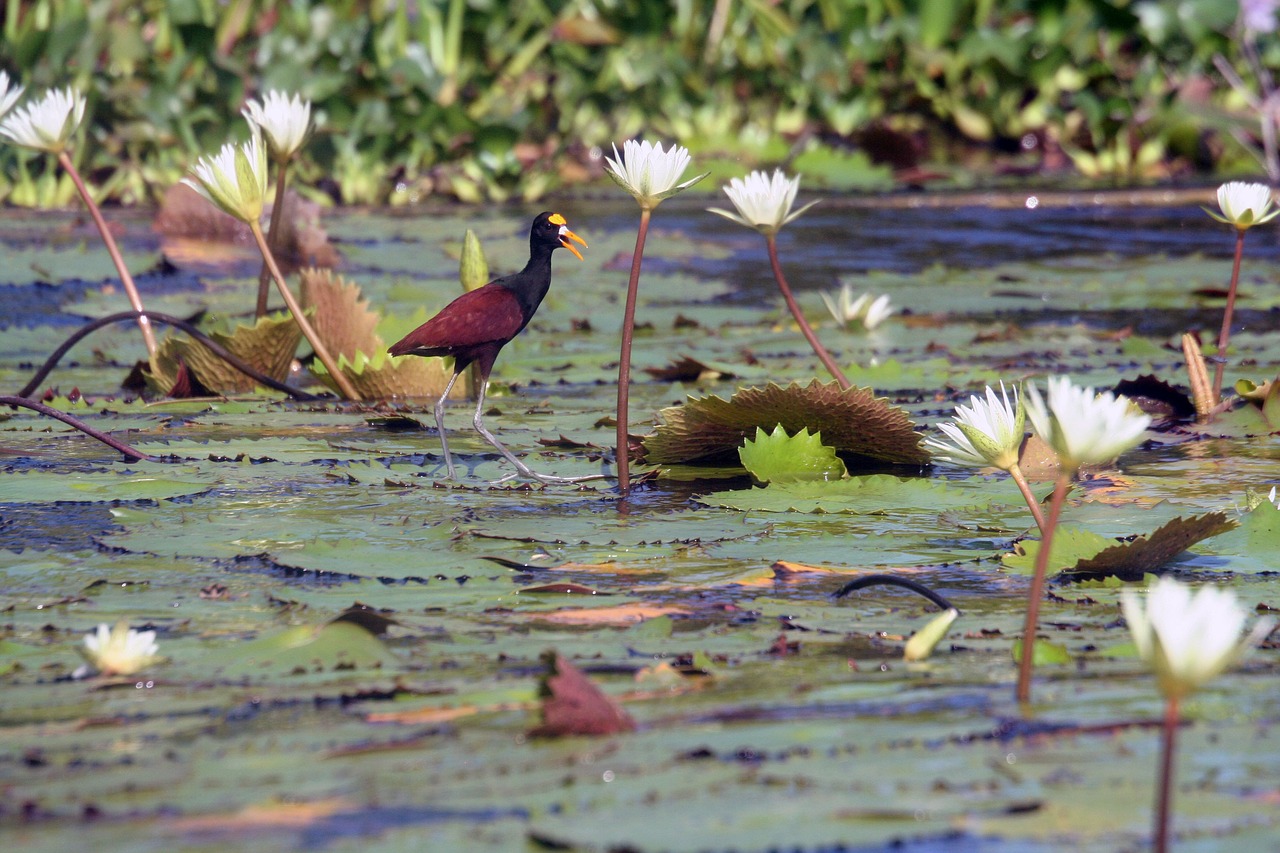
(770, 715)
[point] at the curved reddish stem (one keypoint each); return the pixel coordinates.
(825, 357)
(1037, 587)
(624, 358)
(1164, 791)
(1224, 336)
(130, 289)
(49, 411)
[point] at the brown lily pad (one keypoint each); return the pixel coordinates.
(1129, 561)
(573, 705)
(343, 319)
(267, 345)
(853, 421)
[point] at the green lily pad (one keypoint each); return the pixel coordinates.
(779, 458)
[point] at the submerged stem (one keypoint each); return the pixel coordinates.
(49, 411)
(1060, 488)
(825, 357)
(130, 289)
(624, 357)
(322, 352)
(1224, 336)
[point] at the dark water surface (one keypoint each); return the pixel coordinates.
(840, 236)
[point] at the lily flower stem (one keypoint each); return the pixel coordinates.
(308, 331)
(1060, 489)
(1224, 336)
(1032, 504)
(1164, 793)
(624, 358)
(825, 357)
(130, 289)
(273, 231)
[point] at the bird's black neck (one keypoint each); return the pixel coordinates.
(531, 284)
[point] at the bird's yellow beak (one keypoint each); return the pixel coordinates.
(565, 236)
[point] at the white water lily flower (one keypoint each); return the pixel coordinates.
(120, 650)
(763, 203)
(285, 121)
(1244, 204)
(235, 179)
(869, 310)
(1188, 639)
(1082, 427)
(986, 432)
(46, 124)
(649, 173)
(1272, 497)
(8, 94)
(877, 311)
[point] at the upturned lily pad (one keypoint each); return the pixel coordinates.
(1082, 554)
(853, 421)
(780, 458)
(343, 318)
(268, 345)
(341, 315)
(386, 377)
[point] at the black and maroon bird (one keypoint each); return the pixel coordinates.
(474, 327)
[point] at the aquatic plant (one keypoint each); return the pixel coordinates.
(235, 179)
(48, 125)
(989, 431)
(764, 204)
(1187, 639)
(286, 123)
(1082, 428)
(650, 175)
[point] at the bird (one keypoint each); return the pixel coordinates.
(476, 326)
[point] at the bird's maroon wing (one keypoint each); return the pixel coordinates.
(484, 316)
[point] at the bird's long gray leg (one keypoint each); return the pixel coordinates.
(524, 469)
(444, 441)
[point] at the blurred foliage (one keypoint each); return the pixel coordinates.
(483, 99)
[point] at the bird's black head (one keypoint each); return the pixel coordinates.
(552, 230)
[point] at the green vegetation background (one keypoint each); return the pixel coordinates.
(481, 99)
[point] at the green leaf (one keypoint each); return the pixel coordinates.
(780, 458)
(473, 268)
(1070, 546)
(1043, 653)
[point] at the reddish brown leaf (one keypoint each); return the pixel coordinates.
(573, 705)
(685, 369)
(1129, 561)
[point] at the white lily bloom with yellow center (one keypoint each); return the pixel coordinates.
(988, 431)
(285, 121)
(1244, 204)
(649, 173)
(1084, 427)
(46, 124)
(235, 179)
(867, 309)
(763, 202)
(1189, 638)
(9, 94)
(120, 650)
